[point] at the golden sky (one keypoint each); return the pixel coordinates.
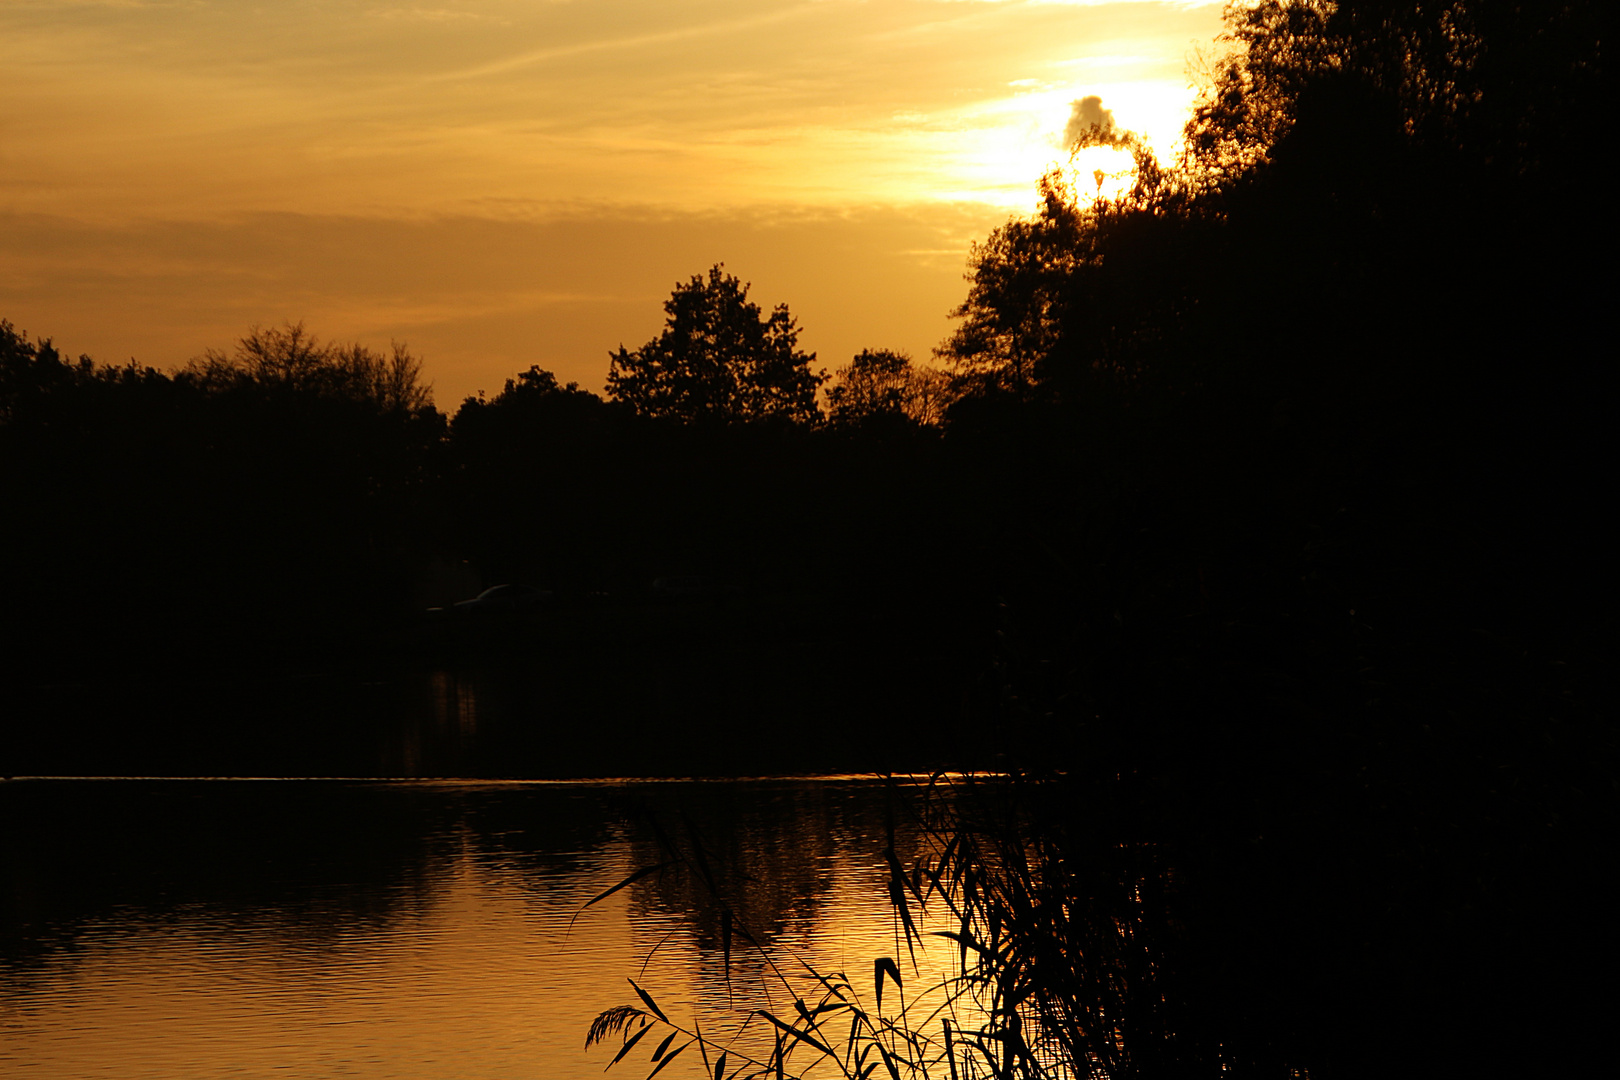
(507, 182)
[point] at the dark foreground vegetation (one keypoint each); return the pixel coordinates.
(1259, 526)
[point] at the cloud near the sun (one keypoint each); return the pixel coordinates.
(1085, 114)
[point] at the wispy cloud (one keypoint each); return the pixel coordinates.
(627, 42)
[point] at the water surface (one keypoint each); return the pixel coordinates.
(184, 929)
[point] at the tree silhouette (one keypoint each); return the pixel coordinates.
(882, 383)
(289, 360)
(1084, 297)
(29, 371)
(1507, 88)
(719, 357)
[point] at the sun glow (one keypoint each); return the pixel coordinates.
(1005, 145)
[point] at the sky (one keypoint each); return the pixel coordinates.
(502, 183)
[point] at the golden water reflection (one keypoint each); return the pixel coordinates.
(438, 938)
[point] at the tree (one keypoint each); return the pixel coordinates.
(883, 383)
(40, 385)
(29, 372)
(290, 360)
(533, 410)
(1510, 89)
(1010, 320)
(1081, 297)
(719, 357)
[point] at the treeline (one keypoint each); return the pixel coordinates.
(293, 508)
(201, 515)
(1340, 358)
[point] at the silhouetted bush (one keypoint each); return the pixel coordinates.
(719, 358)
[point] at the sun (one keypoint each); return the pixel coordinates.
(1001, 148)
(1100, 172)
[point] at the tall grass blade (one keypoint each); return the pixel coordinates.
(631, 880)
(800, 1036)
(725, 949)
(646, 961)
(879, 966)
(651, 1004)
(660, 1066)
(629, 1044)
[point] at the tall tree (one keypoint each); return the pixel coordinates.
(883, 383)
(719, 357)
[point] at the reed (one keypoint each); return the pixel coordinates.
(1367, 896)
(1059, 942)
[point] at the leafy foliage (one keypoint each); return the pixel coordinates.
(1512, 89)
(883, 384)
(37, 384)
(1083, 298)
(718, 358)
(288, 360)
(199, 511)
(1343, 156)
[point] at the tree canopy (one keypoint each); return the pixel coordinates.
(1343, 159)
(719, 358)
(291, 361)
(881, 383)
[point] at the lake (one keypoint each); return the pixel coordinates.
(329, 928)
